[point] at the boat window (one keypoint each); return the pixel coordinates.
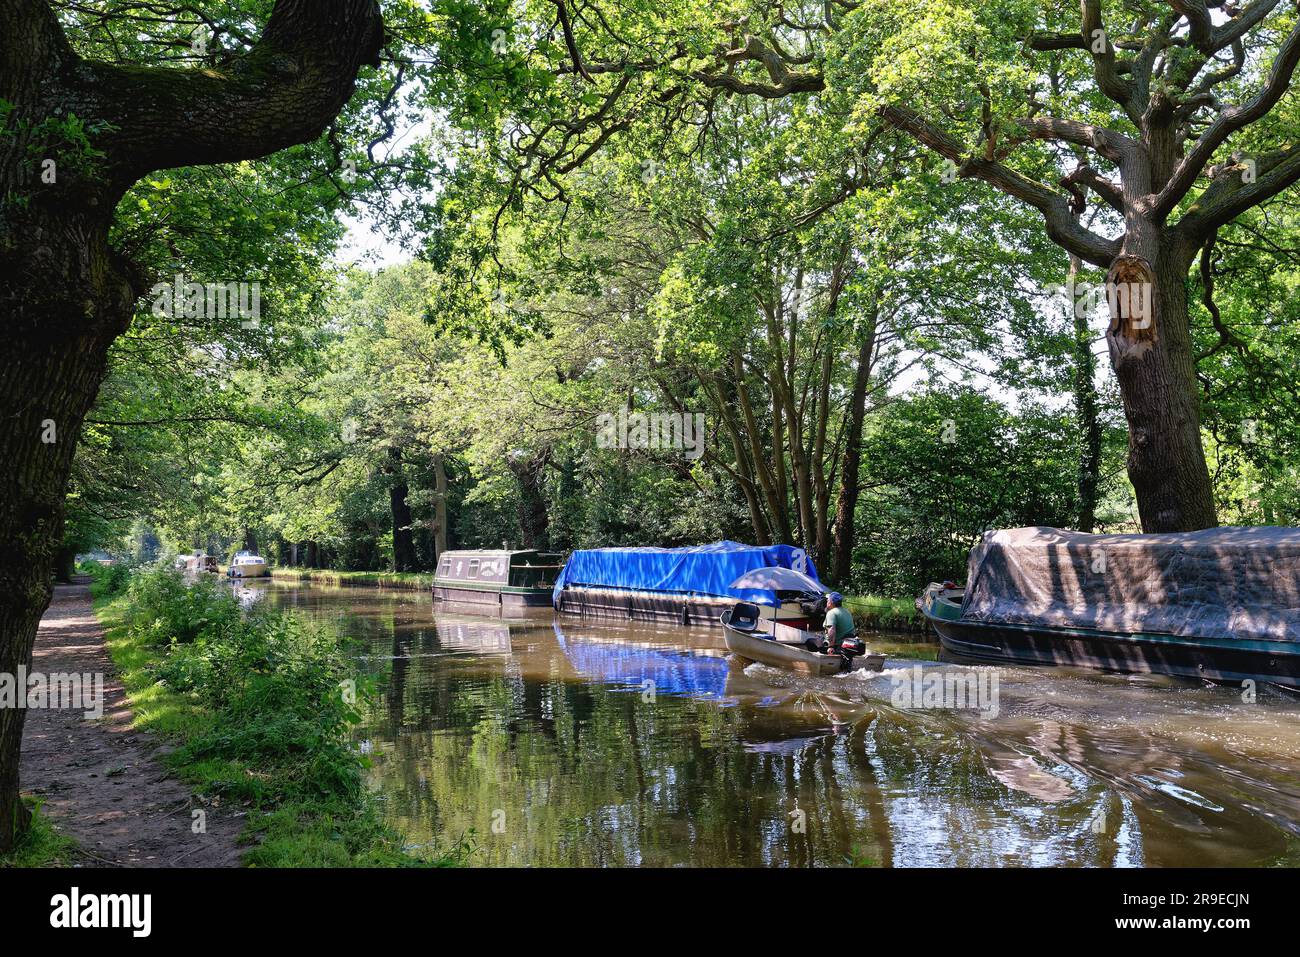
(473, 568)
(444, 567)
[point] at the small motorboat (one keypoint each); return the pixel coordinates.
(247, 565)
(750, 636)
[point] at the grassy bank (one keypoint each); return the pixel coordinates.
(885, 614)
(42, 845)
(260, 706)
(411, 581)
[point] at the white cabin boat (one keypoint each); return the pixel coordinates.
(248, 565)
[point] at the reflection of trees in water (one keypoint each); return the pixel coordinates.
(591, 774)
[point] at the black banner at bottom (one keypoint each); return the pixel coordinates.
(139, 907)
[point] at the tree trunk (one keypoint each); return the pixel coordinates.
(49, 382)
(439, 506)
(65, 564)
(250, 541)
(403, 539)
(64, 294)
(772, 493)
(533, 518)
(742, 472)
(846, 506)
(1150, 349)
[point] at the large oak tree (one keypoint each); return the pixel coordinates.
(1164, 115)
(66, 292)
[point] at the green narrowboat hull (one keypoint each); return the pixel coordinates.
(504, 596)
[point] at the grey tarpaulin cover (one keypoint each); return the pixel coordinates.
(1220, 582)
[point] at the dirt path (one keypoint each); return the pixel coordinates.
(101, 781)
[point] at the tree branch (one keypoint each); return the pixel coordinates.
(784, 80)
(284, 91)
(1104, 65)
(1087, 176)
(1230, 195)
(1228, 122)
(1106, 143)
(1055, 207)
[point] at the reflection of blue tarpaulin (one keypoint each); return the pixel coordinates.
(700, 569)
(673, 673)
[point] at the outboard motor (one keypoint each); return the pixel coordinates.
(852, 647)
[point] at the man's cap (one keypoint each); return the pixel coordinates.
(835, 597)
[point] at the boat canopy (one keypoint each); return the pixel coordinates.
(1217, 583)
(698, 570)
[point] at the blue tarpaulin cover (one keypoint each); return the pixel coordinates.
(700, 570)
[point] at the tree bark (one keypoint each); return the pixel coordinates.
(403, 539)
(439, 506)
(1150, 350)
(846, 506)
(49, 382)
(65, 295)
(1085, 409)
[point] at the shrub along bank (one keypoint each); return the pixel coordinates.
(261, 704)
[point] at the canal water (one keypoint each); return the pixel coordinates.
(566, 741)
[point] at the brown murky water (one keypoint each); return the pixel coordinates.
(565, 741)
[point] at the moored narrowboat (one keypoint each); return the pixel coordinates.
(508, 580)
(687, 586)
(1221, 604)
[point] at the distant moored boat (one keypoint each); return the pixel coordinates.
(499, 577)
(688, 586)
(247, 565)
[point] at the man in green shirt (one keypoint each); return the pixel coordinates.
(839, 623)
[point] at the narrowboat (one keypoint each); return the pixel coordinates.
(197, 562)
(1222, 604)
(506, 580)
(687, 586)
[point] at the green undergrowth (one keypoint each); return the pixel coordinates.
(884, 614)
(42, 845)
(260, 705)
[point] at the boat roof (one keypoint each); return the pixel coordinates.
(698, 569)
(1240, 582)
(496, 552)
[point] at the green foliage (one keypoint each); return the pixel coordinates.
(42, 845)
(262, 704)
(106, 581)
(946, 465)
(275, 686)
(164, 608)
